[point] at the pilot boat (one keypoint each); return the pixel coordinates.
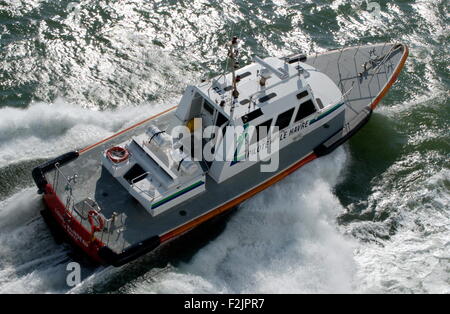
(229, 138)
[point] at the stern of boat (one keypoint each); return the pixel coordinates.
(70, 216)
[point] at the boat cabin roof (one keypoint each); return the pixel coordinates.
(256, 100)
(288, 86)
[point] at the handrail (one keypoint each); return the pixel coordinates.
(138, 177)
(85, 207)
(347, 92)
(68, 187)
(68, 179)
(139, 188)
(337, 101)
(388, 54)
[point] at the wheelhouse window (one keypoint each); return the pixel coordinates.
(284, 119)
(319, 103)
(252, 115)
(306, 109)
(208, 107)
(221, 119)
(259, 133)
(302, 94)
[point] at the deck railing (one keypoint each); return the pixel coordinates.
(112, 233)
(133, 184)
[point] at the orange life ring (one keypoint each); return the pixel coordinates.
(101, 222)
(117, 154)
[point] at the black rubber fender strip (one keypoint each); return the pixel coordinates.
(130, 254)
(323, 150)
(38, 173)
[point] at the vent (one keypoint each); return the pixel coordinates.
(267, 97)
(302, 94)
(245, 101)
(252, 115)
(243, 75)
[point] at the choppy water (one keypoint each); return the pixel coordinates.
(372, 217)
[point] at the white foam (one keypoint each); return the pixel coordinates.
(46, 130)
(415, 259)
(19, 209)
(284, 240)
(30, 261)
(29, 258)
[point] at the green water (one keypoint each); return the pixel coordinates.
(372, 217)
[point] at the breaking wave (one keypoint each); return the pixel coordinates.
(371, 217)
(284, 240)
(44, 130)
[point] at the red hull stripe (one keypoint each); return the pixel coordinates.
(392, 80)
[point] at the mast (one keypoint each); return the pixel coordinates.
(233, 52)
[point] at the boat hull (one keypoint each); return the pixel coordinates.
(338, 129)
